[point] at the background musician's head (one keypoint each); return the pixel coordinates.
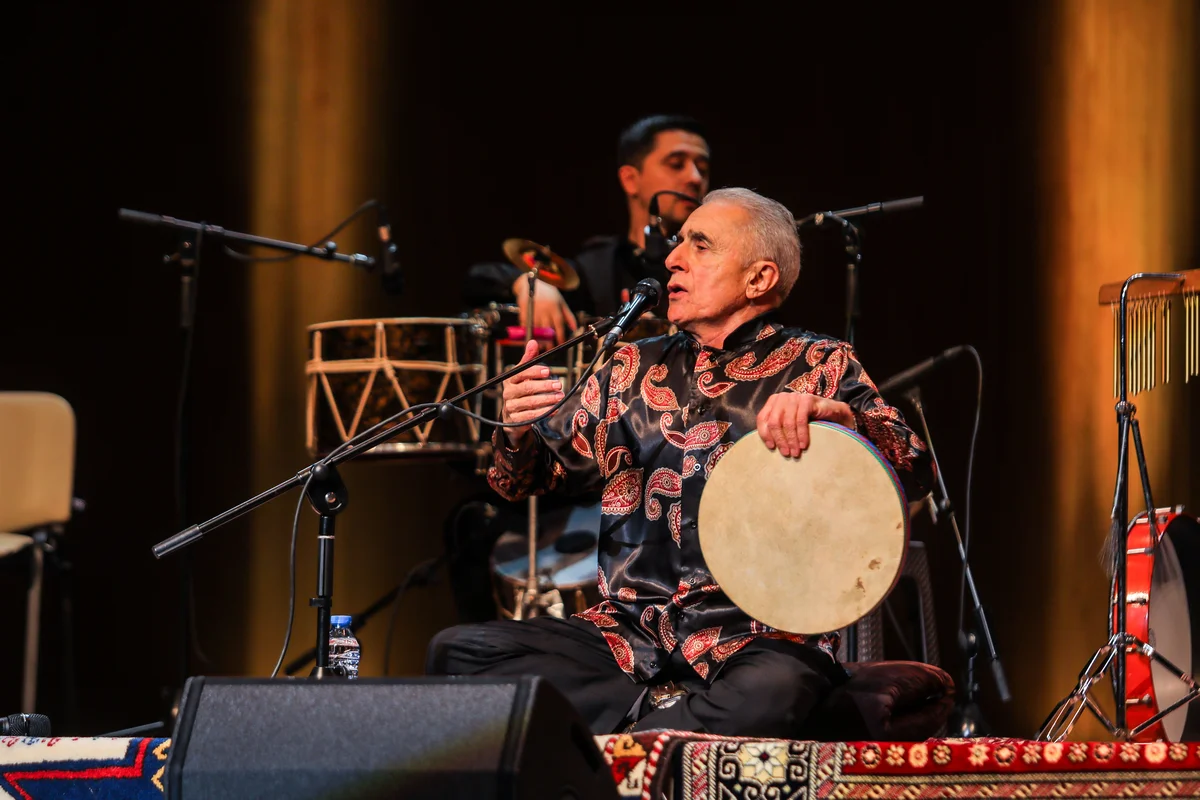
(738, 257)
(662, 152)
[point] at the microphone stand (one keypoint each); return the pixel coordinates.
(188, 258)
(328, 251)
(852, 243)
(528, 603)
(328, 495)
(967, 720)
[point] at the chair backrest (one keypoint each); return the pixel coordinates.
(37, 460)
(912, 619)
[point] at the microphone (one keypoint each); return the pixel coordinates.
(393, 277)
(902, 380)
(886, 207)
(25, 725)
(658, 245)
(645, 297)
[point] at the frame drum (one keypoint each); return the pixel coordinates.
(360, 372)
(806, 545)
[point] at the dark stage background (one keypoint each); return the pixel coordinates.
(490, 128)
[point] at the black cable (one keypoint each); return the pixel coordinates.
(367, 206)
(962, 589)
(287, 638)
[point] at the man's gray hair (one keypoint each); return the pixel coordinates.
(772, 231)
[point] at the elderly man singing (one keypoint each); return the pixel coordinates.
(666, 648)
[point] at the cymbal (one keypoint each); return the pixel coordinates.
(551, 267)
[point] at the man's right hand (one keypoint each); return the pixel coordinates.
(550, 310)
(527, 395)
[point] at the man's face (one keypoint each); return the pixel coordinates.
(708, 268)
(679, 162)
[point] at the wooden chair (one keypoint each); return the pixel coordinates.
(37, 465)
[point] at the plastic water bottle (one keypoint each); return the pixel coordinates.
(344, 650)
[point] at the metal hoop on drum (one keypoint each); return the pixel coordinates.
(361, 372)
(807, 546)
(1162, 608)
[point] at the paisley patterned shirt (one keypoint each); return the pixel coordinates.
(647, 430)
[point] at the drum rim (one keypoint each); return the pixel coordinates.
(358, 323)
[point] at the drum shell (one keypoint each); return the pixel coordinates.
(361, 372)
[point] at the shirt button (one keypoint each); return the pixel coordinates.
(653, 664)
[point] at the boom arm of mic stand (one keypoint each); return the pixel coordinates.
(328, 252)
(914, 396)
(361, 443)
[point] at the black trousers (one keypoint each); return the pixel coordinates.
(766, 689)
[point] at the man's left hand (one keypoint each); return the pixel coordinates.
(783, 421)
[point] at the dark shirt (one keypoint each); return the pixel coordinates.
(647, 430)
(606, 265)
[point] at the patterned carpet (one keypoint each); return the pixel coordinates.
(693, 767)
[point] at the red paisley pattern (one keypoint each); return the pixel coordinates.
(704, 435)
(701, 668)
(647, 620)
(674, 520)
(665, 633)
(578, 440)
(824, 379)
(767, 332)
(698, 437)
(659, 398)
(623, 494)
(690, 465)
(723, 651)
(621, 651)
(703, 361)
(627, 594)
(709, 389)
(713, 458)
(613, 459)
(624, 368)
(887, 432)
(700, 643)
(742, 368)
(599, 616)
(602, 583)
(590, 398)
(664, 481)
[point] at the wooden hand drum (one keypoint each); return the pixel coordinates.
(806, 545)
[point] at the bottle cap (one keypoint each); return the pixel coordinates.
(340, 621)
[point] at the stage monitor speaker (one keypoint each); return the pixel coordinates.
(444, 738)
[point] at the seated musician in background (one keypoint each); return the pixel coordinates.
(666, 648)
(656, 153)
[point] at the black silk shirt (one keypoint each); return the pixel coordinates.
(647, 430)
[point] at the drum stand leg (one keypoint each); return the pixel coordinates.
(1064, 716)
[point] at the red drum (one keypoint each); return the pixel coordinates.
(1162, 608)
